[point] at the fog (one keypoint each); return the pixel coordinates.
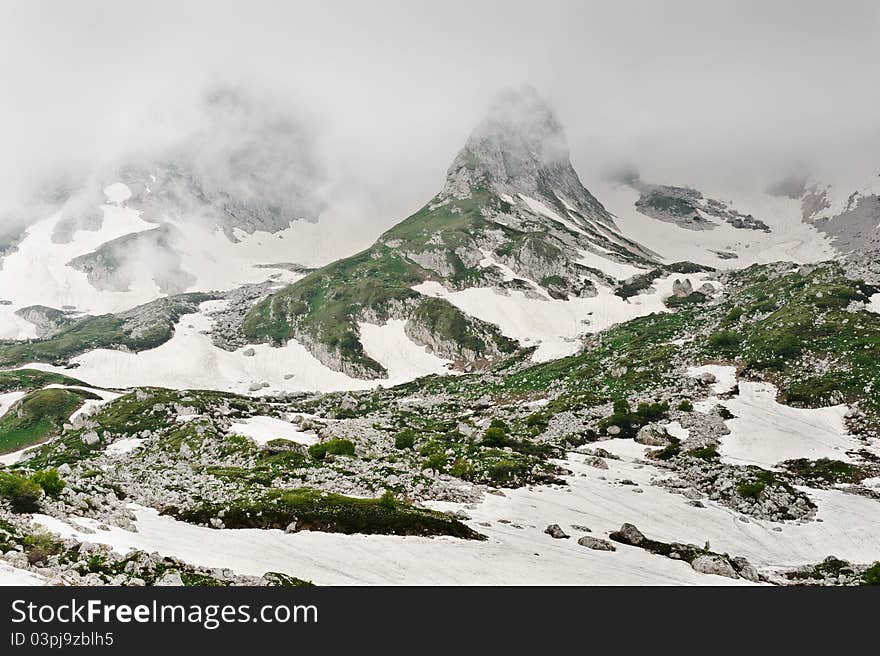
(378, 97)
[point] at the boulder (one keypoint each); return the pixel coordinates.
(628, 534)
(714, 564)
(596, 543)
(555, 531)
(169, 579)
(651, 435)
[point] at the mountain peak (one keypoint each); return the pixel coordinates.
(519, 136)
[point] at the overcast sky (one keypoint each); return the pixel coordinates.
(740, 91)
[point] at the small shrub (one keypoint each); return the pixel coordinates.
(871, 576)
(21, 493)
(495, 437)
(405, 439)
(333, 447)
(435, 462)
(727, 342)
(49, 480)
(39, 546)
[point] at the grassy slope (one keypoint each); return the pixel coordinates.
(787, 327)
(326, 304)
(16, 380)
(37, 416)
(104, 331)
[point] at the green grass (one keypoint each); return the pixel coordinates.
(105, 331)
(324, 307)
(826, 471)
(37, 416)
(17, 380)
(313, 510)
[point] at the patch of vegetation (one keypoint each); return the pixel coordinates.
(871, 576)
(39, 546)
(704, 453)
(758, 480)
(334, 447)
(825, 471)
(22, 494)
(499, 459)
(405, 439)
(49, 480)
(630, 422)
(638, 283)
(38, 416)
(694, 298)
(26, 380)
(306, 509)
(669, 451)
(106, 331)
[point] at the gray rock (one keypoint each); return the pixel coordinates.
(169, 579)
(596, 543)
(712, 564)
(555, 531)
(745, 569)
(628, 534)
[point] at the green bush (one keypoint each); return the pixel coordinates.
(495, 436)
(21, 493)
(436, 462)
(333, 447)
(49, 480)
(727, 342)
(405, 439)
(538, 422)
(871, 576)
(39, 546)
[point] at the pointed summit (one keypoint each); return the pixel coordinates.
(520, 148)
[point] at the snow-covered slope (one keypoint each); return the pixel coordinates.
(723, 246)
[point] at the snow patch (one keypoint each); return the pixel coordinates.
(123, 446)
(263, 429)
(404, 359)
(725, 377)
(555, 325)
(766, 432)
(540, 208)
(14, 576)
(117, 193)
(618, 270)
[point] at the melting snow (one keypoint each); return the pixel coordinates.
(766, 432)
(263, 429)
(123, 446)
(555, 325)
(14, 576)
(540, 208)
(403, 358)
(618, 270)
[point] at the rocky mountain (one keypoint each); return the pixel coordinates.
(640, 382)
(512, 214)
(849, 216)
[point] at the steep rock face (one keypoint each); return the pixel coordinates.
(511, 213)
(849, 216)
(47, 321)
